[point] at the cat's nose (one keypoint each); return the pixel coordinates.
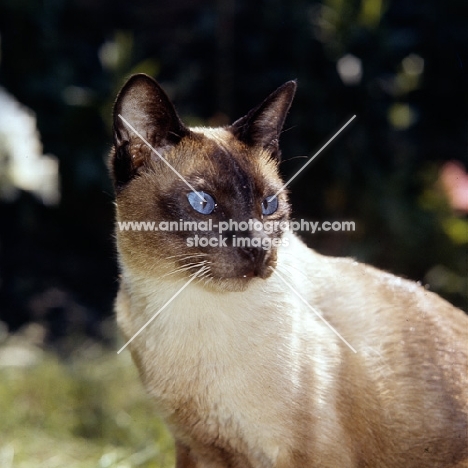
(256, 257)
(254, 254)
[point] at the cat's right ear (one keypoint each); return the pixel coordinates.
(262, 126)
(142, 111)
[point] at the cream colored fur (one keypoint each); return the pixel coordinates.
(260, 371)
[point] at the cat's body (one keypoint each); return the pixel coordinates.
(243, 371)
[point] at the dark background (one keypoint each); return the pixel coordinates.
(66, 60)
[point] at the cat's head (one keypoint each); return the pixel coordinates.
(211, 180)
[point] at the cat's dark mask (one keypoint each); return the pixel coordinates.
(209, 175)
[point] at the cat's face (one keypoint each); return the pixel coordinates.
(208, 200)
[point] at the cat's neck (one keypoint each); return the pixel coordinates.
(174, 301)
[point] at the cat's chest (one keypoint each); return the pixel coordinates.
(205, 362)
(210, 339)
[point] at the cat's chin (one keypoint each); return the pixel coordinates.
(233, 284)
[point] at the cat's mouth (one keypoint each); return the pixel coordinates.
(227, 269)
(246, 276)
(250, 274)
(263, 272)
(234, 283)
(237, 275)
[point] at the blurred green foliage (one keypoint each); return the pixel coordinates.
(90, 411)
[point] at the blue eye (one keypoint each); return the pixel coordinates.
(201, 202)
(269, 205)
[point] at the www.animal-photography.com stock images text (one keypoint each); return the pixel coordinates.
(233, 234)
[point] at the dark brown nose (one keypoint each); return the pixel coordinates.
(256, 257)
(254, 254)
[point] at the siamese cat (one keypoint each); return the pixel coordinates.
(270, 357)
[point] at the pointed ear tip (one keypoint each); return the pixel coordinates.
(134, 83)
(287, 89)
(292, 85)
(139, 78)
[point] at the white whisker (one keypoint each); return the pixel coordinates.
(192, 277)
(187, 267)
(288, 269)
(200, 254)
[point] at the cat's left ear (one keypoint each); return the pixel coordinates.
(262, 126)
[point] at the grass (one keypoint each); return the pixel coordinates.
(90, 411)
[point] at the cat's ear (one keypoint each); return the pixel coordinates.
(143, 105)
(262, 126)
